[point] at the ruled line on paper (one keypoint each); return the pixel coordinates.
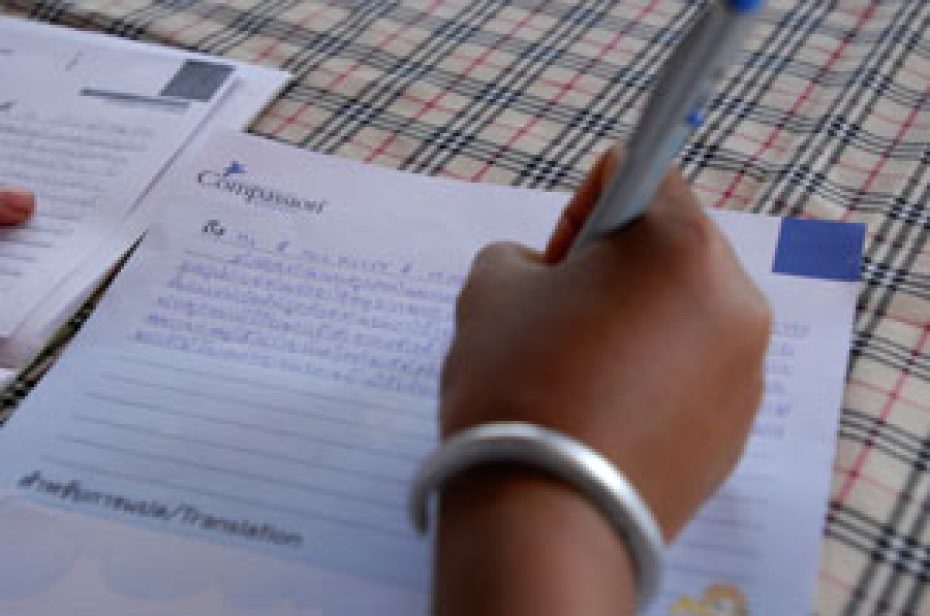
(198, 490)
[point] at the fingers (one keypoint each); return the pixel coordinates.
(675, 198)
(495, 268)
(581, 204)
(16, 205)
(501, 257)
(675, 203)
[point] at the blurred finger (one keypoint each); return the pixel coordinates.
(675, 203)
(501, 256)
(493, 268)
(16, 205)
(581, 204)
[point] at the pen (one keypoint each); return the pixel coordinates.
(672, 112)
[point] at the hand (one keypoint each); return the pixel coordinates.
(16, 205)
(647, 345)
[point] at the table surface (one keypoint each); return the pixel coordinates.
(827, 116)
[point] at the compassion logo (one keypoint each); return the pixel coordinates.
(255, 194)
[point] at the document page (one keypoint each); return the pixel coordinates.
(86, 128)
(253, 87)
(260, 384)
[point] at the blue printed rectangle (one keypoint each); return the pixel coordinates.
(819, 249)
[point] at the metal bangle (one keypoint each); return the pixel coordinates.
(567, 459)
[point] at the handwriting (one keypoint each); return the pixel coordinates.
(67, 162)
(779, 368)
(374, 322)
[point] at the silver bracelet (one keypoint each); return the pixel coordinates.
(567, 459)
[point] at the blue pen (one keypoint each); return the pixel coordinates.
(673, 111)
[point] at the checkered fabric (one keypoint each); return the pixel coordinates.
(827, 116)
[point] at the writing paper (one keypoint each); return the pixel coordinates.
(250, 89)
(87, 135)
(261, 381)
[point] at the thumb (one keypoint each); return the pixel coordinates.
(497, 266)
(500, 258)
(581, 204)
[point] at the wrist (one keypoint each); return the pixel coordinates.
(517, 541)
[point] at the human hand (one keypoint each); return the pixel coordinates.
(648, 346)
(16, 205)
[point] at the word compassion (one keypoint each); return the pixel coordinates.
(256, 194)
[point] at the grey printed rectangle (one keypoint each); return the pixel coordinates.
(197, 80)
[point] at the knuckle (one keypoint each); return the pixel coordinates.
(742, 307)
(482, 263)
(757, 318)
(486, 254)
(737, 453)
(495, 267)
(463, 300)
(490, 255)
(756, 384)
(698, 235)
(488, 260)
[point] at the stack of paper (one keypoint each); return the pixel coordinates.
(235, 429)
(88, 122)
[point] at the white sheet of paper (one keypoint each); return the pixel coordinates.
(252, 89)
(87, 129)
(253, 394)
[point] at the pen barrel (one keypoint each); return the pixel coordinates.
(687, 80)
(671, 114)
(634, 186)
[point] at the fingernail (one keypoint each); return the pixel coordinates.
(16, 204)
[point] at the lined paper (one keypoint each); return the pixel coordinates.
(88, 137)
(262, 376)
(86, 162)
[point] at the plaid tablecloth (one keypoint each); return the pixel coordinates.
(827, 116)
